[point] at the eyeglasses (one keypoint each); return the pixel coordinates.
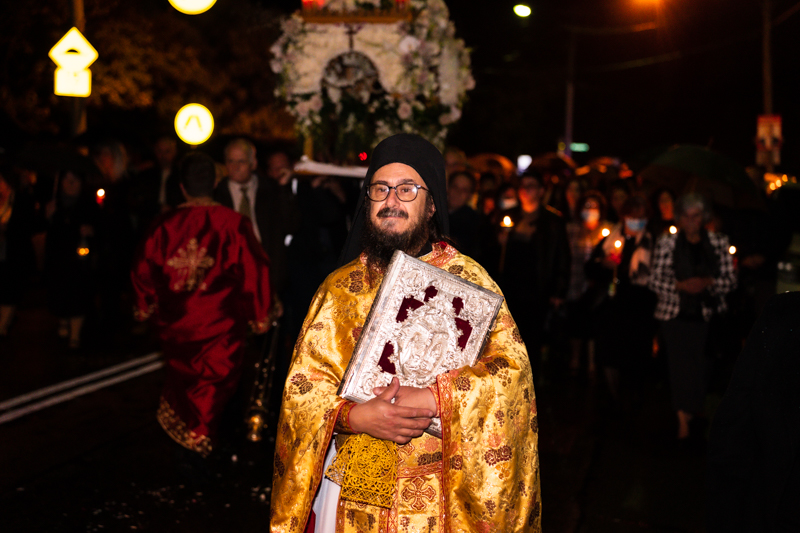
(406, 192)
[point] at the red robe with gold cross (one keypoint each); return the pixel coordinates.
(203, 276)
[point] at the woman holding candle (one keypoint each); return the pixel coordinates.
(624, 324)
(584, 233)
(663, 202)
(71, 254)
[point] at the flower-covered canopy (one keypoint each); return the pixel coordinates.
(351, 78)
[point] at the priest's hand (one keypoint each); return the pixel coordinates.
(412, 397)
(382, 419)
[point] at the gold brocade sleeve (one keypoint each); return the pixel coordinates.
(490, 430)
(310, 403)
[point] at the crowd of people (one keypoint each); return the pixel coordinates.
(601, 274)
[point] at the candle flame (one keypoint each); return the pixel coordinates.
(673, 230)
(618, 244)
(507, 222)
(732, 250)
(83, 251)
(606, 232)
(101, 193)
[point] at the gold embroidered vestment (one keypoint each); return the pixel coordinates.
(483, 475)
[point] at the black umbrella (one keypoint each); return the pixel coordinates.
(689, 168)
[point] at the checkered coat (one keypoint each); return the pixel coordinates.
(662, 278)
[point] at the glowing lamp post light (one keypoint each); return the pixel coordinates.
(73, 54)
(521, 10)
(194, 124)
(192, 7)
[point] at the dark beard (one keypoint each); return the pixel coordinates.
(379, 246)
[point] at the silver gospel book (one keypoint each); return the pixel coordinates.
(424, 321)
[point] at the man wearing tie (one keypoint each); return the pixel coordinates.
(267, 202)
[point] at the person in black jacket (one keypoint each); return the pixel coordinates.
(754, 450)
(270, 205)
(71, 254)
(465, 222)
(16, 250)
(533, 263)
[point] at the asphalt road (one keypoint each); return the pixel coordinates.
(100, 462)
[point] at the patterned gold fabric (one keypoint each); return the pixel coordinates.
(366, 468)
(483, 475)
(176, 428)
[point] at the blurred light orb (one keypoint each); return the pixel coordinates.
(192, 7)
(732, 250)
(194, 124)
(523, 162)
(362, 156)
(101, 193)
(507, 222)
(618, 244)
(606, 232)
(673, 230)
(521, 10)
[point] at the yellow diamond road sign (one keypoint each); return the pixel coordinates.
(73, 54)
(194, 124)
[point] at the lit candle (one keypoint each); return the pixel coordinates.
(732, 250)
(606, 232)
(101, 196)
(618, 244)
(673, 230)
(506, 224)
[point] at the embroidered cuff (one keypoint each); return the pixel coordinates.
(434, 388)
(140, 315)
(343, 418)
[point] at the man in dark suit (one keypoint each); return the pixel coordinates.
(533, 265)
(754, 448)
(268, 203)
(156, 189)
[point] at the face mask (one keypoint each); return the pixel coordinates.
(508, 203)
(590, 215)
(635, 225)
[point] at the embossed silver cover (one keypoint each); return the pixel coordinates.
(417, 327)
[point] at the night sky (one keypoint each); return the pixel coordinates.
(708, 92)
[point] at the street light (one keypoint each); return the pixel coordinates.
(192, 7)
(521, 10)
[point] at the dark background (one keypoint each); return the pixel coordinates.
(701, 82)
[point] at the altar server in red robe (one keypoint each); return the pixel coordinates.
(204, 278)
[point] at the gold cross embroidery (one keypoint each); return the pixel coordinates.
(417, 493)
(191, 265)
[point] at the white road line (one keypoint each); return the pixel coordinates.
(28, 409)
(77, 381)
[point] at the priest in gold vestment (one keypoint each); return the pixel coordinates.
(483, 474)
